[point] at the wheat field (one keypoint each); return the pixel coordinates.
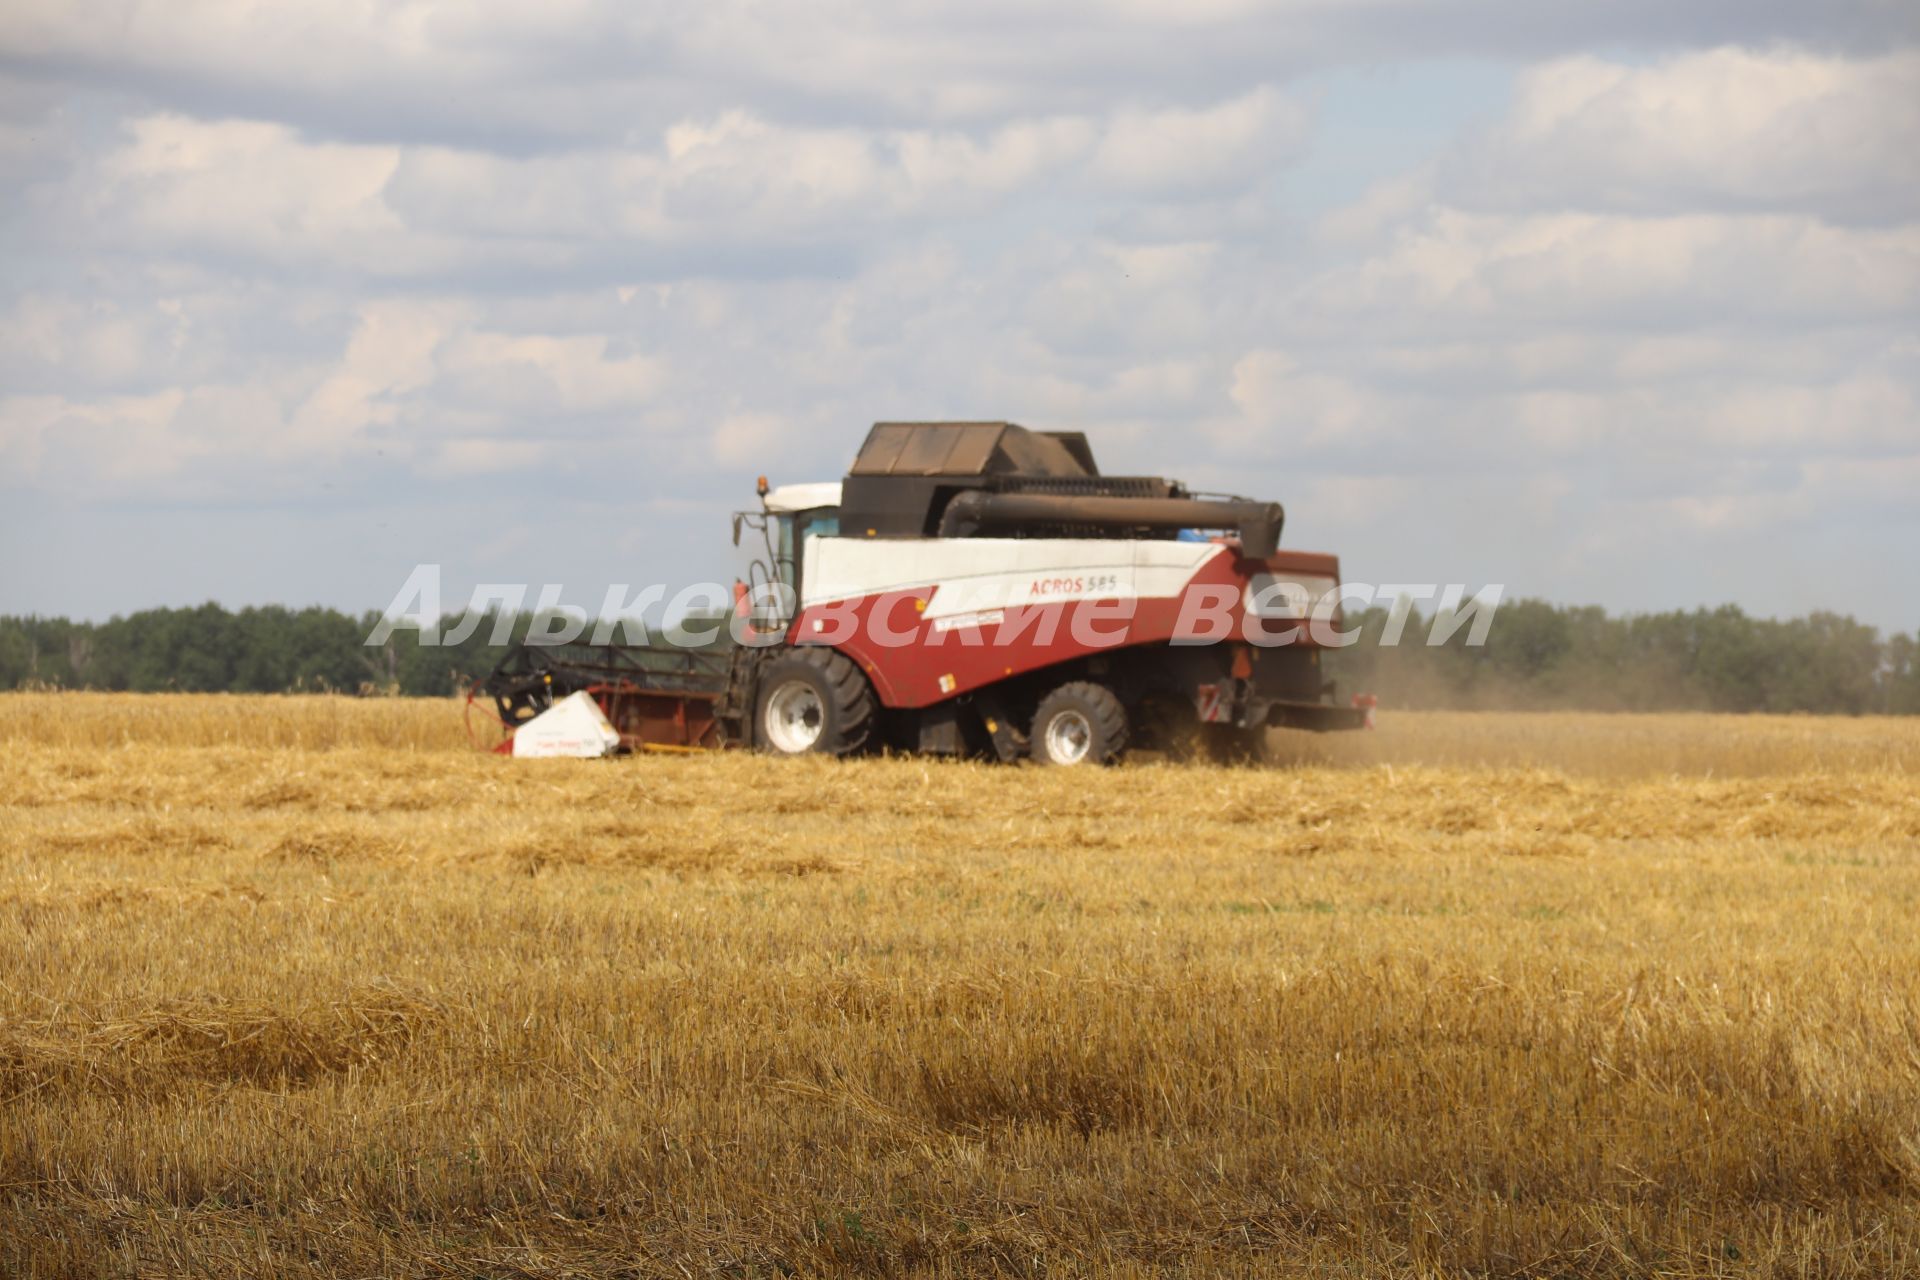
(306, 987)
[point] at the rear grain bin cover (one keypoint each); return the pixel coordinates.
(972, 449)
(573, 726)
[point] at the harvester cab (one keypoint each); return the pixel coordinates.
(788, 516)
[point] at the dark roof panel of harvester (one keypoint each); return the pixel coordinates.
(971, 449)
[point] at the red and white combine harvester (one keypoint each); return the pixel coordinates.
(976, 588)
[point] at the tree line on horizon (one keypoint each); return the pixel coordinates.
(1537, 656)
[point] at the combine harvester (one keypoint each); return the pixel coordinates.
(976, 588)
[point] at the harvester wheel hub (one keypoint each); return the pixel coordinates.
(1069, 737)
(795, 717)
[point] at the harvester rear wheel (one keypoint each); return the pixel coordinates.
(1079, 723)
(813, 700)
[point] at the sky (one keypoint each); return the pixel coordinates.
(1610, 304)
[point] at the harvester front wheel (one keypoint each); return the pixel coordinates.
(813, 699)
(1079, 723)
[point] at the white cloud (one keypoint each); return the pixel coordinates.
(391, 354)
(1007, 158)
(1296, 407)
(263, 192)
(1383, 207)
(244, 185)
(1681, 268)
(1681, 287)
(565, 375)
(1189, 150)
(470, 457)
(60, 339)
(749, 439)
(586, 71)
(422, 382)
(117, 443)
(1729, 129)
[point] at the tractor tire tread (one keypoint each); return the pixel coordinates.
(1102, 705)
(854, 706)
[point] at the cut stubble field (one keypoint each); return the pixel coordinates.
(306, 987)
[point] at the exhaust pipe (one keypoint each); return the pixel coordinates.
(977, 511)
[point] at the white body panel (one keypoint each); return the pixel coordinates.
(970, 575)
(573, 726)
